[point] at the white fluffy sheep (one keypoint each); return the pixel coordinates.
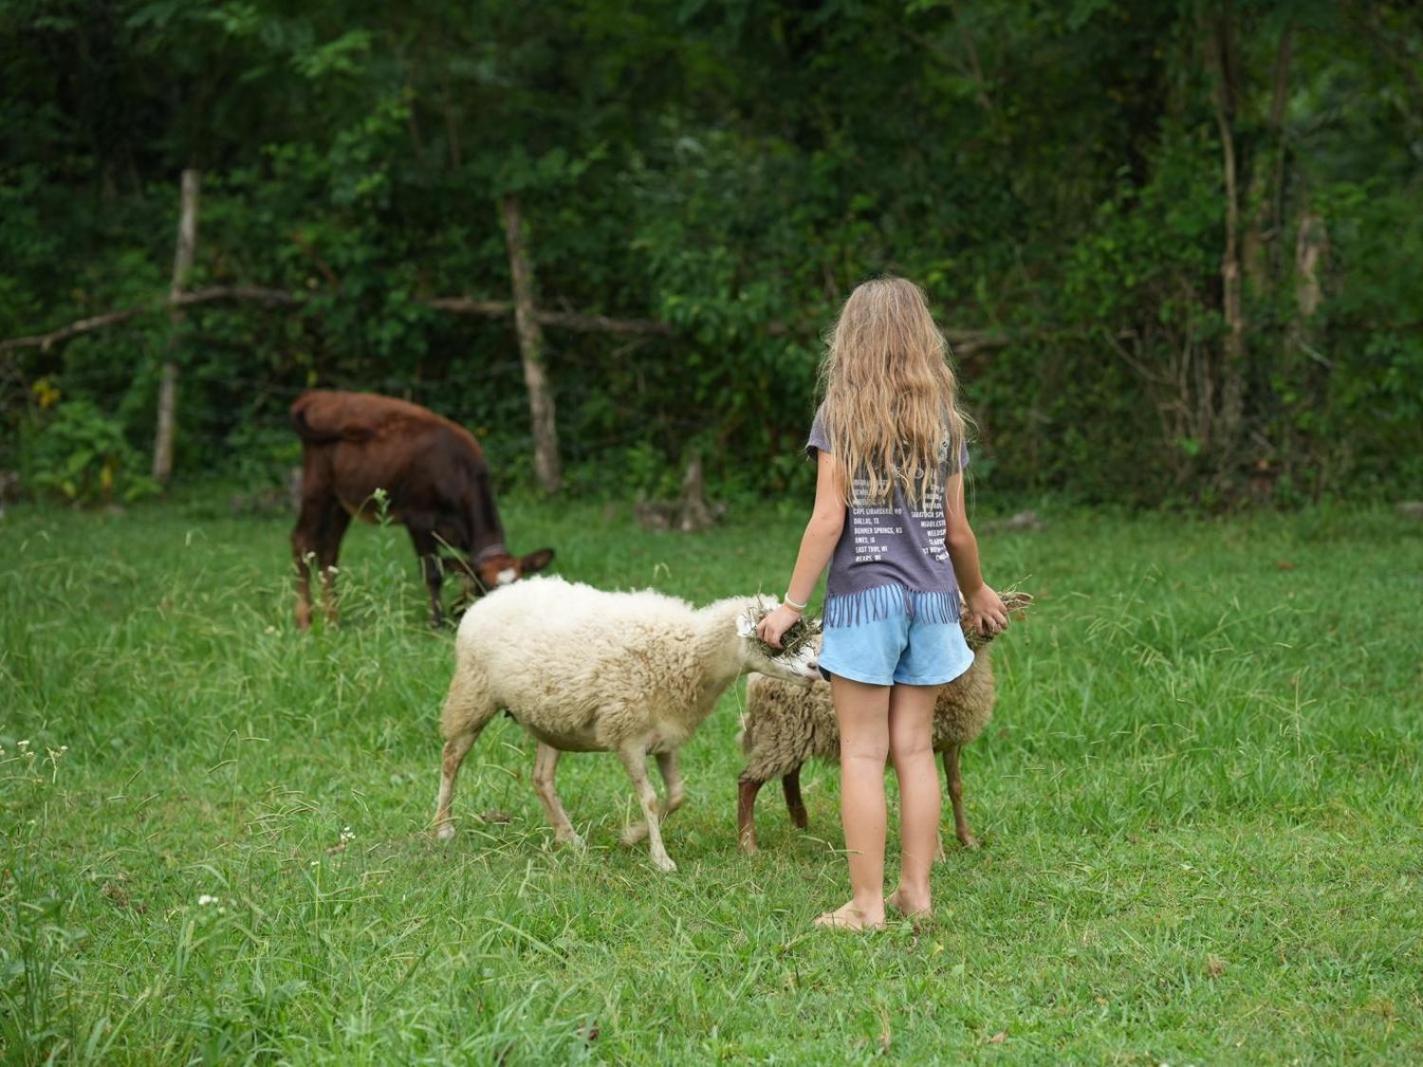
(591, 671)
(786, 725)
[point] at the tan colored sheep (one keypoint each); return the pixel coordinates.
(786, 724)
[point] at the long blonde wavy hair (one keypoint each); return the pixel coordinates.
(891, 399)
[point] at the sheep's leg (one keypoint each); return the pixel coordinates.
(790, 785)
(466, 712)
(951, 769)
(672, 779)
(746, 791)
(456, 748)
(545, 764)
(635, 762)
(676, 793)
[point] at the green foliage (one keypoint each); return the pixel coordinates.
(78, 453)
(734, 169)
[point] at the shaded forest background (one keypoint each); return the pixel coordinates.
(1176, 243)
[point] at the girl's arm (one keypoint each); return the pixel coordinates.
(817, 545)
(985, 607)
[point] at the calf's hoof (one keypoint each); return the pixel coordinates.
(634, 833)
(571, 839)
(664, 864)
(969, 842)
(445, 832)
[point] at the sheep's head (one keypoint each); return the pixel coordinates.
(798, 658)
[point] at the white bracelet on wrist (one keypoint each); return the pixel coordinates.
(792, 604)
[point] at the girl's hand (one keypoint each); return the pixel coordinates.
(777, 621)
(986, 611)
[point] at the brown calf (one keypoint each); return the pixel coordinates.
(435, 482)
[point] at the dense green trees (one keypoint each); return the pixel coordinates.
(1176, 243)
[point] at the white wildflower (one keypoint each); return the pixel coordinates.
(205, 900)
(347, 834)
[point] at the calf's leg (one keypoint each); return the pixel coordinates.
(545, 764)
(427, 548)
(306, 535)
(335, 520)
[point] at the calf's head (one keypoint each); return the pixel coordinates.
(490, 570)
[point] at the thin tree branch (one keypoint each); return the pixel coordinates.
(113, 318)
(568, 320)
(963, 342)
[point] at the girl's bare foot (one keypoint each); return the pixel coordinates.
(851, 917)
(910, 906)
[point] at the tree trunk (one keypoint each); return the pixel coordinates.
(541, 412)
(1304, 367)
(1267, 173)
(694, 512)
(1311, 249)
(168, 384)
(1232, 370)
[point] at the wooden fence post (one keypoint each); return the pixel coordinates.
(168, 384)
(541, 413)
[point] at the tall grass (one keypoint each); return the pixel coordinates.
(1199, 802)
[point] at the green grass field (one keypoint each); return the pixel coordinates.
(1199, 800)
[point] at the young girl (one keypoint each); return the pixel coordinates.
(889, 519)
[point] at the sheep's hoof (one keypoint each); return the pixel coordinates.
(634, 833)
(571, 839)
(748, 846)
(969, 842)
(446, 832)
(664, 864)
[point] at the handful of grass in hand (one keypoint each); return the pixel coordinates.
(802, 632)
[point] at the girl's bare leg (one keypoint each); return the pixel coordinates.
(863, 714)
(911, 718)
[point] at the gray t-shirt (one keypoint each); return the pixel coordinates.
(891, 558)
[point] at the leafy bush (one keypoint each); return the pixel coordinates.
(75, 451)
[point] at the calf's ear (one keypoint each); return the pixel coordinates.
(536, 561)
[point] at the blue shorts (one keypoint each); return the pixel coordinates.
(898, 650)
